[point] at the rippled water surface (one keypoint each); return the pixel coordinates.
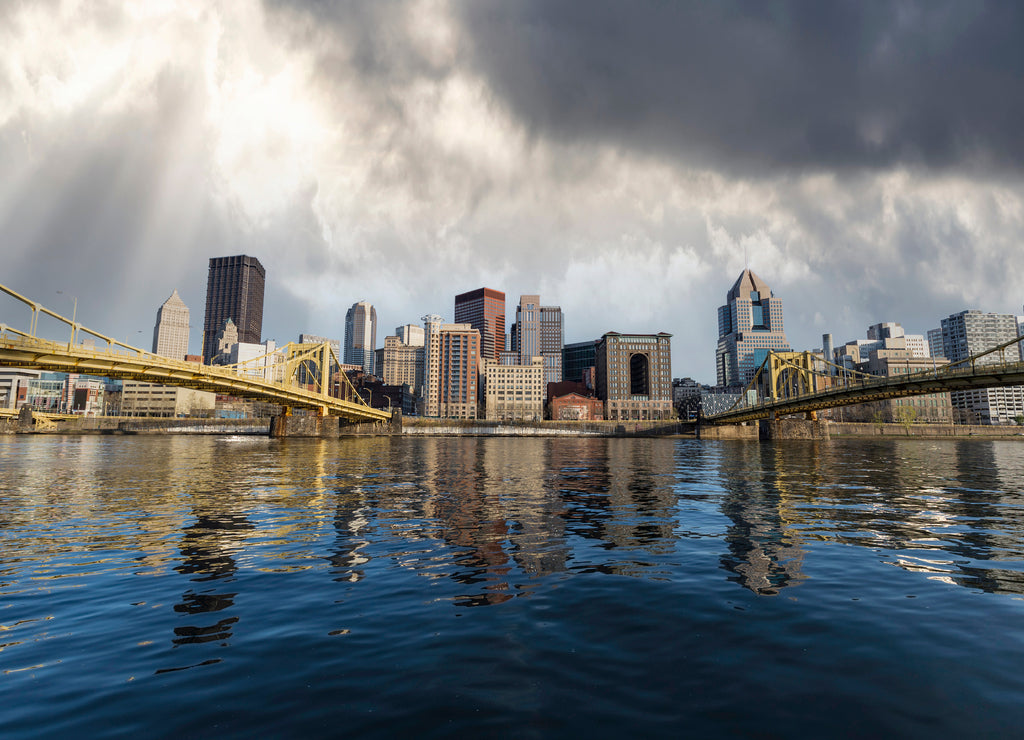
(433, 587)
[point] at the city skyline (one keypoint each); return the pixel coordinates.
(864, 160)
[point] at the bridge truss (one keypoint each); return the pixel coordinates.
(116, 359)
(804, 383)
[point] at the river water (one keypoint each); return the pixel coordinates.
(434, 587)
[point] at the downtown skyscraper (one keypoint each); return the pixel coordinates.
(170, 334)
(484, 310)
(234, 290)
(749, 325)
(538, 333)
(361, 336)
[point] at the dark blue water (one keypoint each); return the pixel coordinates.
(440, 587)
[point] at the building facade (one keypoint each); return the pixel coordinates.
(514, 392)
(259, 361)
(538, 330)
(575, 407)
(361, 336)
(576, 358)
(410, 334)
(969, 333)
(11, 379)
(452, 369)
(399, 363)
(234, 290)
(170, 334)
(634, 376)
(484, 310)
(152, 400)
(750, 325)
(551, 342)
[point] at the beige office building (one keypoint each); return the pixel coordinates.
(399, 363)
(170, 334)
(514, 392)
(150, 399)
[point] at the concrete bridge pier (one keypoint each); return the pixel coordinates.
(332, 427)
(772, 429)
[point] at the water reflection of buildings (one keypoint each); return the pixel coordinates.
(764, 552)
(618, 493)
(471, 520)
(507, 509)
(209, 545)
(947, 509)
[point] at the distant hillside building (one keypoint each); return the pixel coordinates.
(634, 376)
(749, 326)
(170, 334)
(234, 290)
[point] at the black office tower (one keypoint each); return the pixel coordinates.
(234, 290)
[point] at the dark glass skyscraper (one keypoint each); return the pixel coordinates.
(234, 290)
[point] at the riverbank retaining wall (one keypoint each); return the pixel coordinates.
(480, 427)
(852, 429)
(30, 424)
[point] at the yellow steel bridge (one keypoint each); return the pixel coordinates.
(24, 349)
(802, 382)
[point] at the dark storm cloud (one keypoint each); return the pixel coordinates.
(756, 84)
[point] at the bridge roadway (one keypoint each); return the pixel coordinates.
(40, 354)
(864, 390)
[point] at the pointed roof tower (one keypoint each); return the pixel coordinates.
(747, 283)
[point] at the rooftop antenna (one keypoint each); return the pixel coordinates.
(746, 262)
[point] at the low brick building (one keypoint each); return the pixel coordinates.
(576, 407)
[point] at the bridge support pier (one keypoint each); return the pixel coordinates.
(331, 427)
(772, 429)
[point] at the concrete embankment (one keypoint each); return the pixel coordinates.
(481, 428)
(925, 431)
(330, 427)
(36, 424)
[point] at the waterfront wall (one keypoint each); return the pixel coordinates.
(132, 425)
(472, 428)
(853, 429)
(728, 431)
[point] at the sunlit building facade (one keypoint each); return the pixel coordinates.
(634, 376)
(749, 326)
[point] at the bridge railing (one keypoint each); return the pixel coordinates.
(175, 369)
(969, 368)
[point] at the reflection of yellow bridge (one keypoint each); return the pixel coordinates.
(119, 360)
(798, 382)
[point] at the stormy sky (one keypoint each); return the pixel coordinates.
(624, 160)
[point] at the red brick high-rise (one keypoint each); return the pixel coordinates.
(484, 310)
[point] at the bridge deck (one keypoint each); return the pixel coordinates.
(39, 354)
(881, 388)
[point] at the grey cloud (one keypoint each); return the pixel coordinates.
(751, 85)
